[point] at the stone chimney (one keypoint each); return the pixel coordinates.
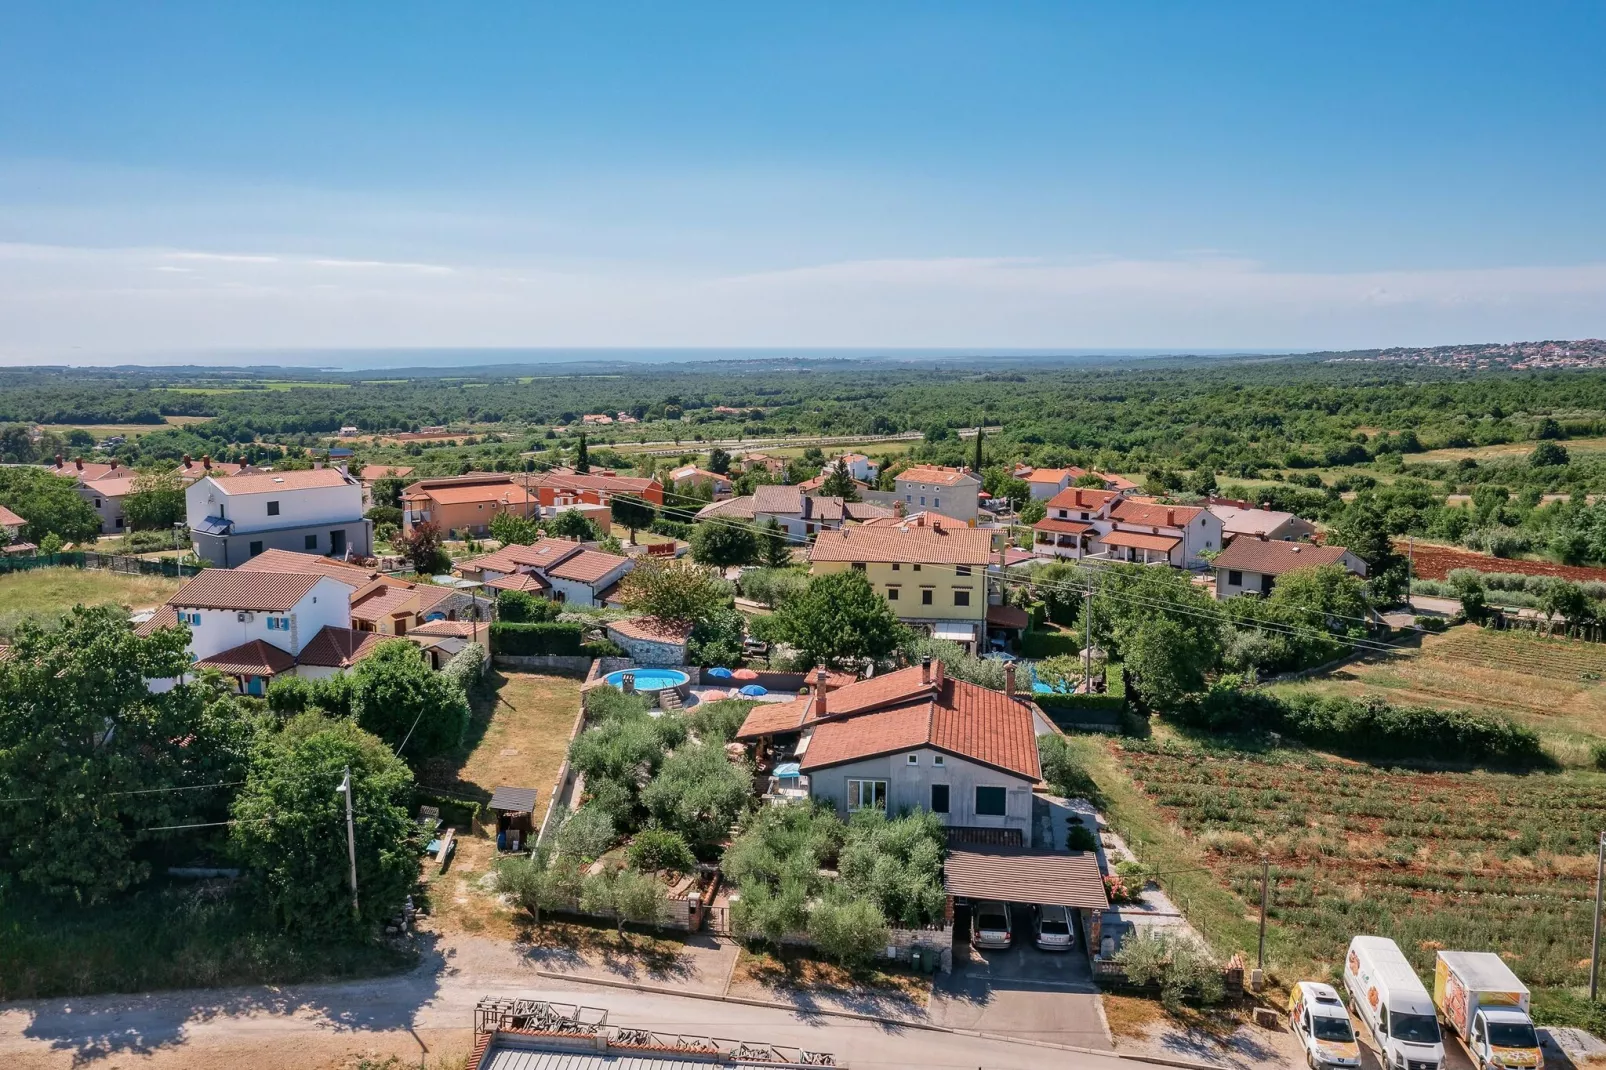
(936, 525)
(58, 460)
(925, 669)
(187, 462)
(79, 461)
(113, 465)
(206, 461)
(1170, 518)
(819, 692)
(1009, 679)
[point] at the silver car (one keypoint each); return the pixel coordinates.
(990, 925)
(1052, 929)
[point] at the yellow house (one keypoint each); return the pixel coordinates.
(934, 575)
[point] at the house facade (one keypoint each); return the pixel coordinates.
(690, 475)
(1267, 524)
(1252, 566)
(1074, 518)
(799, 514)
(934, 576)
(1112, 526)
(950, 491)
(566, 571)
(464, 505)
(315, 511)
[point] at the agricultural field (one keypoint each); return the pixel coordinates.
(1433, 562)
(42, 594)
(126, 430)
(1556, 686)
(1470, 861)
(1504, 452)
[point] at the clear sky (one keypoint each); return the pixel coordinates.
(995, 174)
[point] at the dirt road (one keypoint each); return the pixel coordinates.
(425, 1016)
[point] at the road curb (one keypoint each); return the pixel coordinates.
(658, 990)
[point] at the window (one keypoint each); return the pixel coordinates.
(896, 567)
(936, 503)
(937, 761)
(925, 596)
(119, 521)
(892, 594)
(278, 624)
(916, 568)
(273, 508)
(311, 542)
(97, 503)
(914, 759)
(1235, 578)
(939, 798)
(858, 566)
(192, 619)
(867, 795)
(990, 802)
(1064, 515)
(256, 547)
(961, 570)
(961, 598)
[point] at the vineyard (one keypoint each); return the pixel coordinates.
(1469, 861)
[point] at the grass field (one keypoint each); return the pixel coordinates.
(42, 593)
(1556, 686)
(126, 430)
(1504, 451)
(1471, 861)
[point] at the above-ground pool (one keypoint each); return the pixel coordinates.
(649, 679)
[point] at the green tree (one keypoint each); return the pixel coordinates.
(719, 461)
(582, 456)
(539, 882)
(772, 586)
(1167, 659)
(290, 827)
(1363, 529)
(156, 502)
(775, 545)
(1033, 510)
(840, 621)
(674, 590)
(399, 698)
(717, 638)
(521, 607)
(633, 513)
(388, 491)
(850, 931)
(656, 850)
(626, 894)
(510, 528)
(49, 503)
(1327, 598)
(699, 792)
(421, 546)
(1547, 455)
(78, 723)
(839, 483)
(722, 543)
(573, 524)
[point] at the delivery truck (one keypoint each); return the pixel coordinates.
(1389, 999)
(1485, 1005)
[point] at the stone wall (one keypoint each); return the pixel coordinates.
(650, 653)
(539, 662)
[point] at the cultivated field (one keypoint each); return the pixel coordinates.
(1430, 562)
(126, 430)
(1557, 686)
(1469, 861)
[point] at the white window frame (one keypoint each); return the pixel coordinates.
(855, 794)
(913, 759)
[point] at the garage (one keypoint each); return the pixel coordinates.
(1023, 879)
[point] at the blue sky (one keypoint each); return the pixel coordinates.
(183, 176)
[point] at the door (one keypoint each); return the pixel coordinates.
(337, 542)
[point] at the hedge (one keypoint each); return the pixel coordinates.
(546, 637)
(467, 667)
(1368, 727)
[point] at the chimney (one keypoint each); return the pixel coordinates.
(936, 525)
(1009, 679)
(819, 692)
(114, 465)
(206, 461)
(1078, 497)
(58, 460)
(79, 461)
(1170, 518)
(925, 669)
(187, 462)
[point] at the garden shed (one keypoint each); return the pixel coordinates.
(515, 816)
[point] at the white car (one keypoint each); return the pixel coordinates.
(1053, 929)
(990, 925)
(1322, 1026)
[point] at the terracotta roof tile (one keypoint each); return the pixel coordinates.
(224, 588)
(651, 629)
(485, 493)
(1083, 499)
(1275, 558)
(164, 617)
(446, 629)
(339, 648)
(772, 499)
(288, 562)
(10, 519)
(739, 508)
(383, 603)
(1155, 515)
(1068, 527)
(255, 658)
(1053, 475)
(111, 486)
(542, 554)
(268, 482)
(1140, 541)
(528, 582)
(940, 476)
(906, 544)
(587, 566)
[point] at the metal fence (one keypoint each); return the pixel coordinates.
(133, 566)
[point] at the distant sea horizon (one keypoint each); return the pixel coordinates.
(436, 357)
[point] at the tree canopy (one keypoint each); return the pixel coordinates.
(838, 620)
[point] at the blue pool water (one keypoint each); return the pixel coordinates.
(1038, 687)
(649, 679)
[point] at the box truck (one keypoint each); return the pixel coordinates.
(1389, 998)
(1487, 1007)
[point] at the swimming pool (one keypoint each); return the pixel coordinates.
(649, 679)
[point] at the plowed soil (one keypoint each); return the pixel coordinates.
(1435, 562)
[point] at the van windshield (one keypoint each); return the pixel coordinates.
(1512, 1035)
(1414, 1028)
(1335, 1030)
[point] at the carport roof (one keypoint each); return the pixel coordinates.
(1051, 878)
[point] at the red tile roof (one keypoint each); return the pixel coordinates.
(1275, 558)
(84, 471)
(255, 658)
(165, 617)
(10, 519)
(493, 493)
(520, 581)
(1053, 475)
(1138, 541)
(370, 472)
(1068, 527)
(912, 544)
(544, 553)
(1086, 499)
(383, 603)
(339, 648)
(935, 474)
(225, 588)
(1154, 515)
(288, 561)
(446, 629)
(651, 629)
(269, 482)
(193, 469)
(587, 566)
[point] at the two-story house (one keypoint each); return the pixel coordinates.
(1149, 532)
(1252, 566)
(559, 490)
(1268, 524)
(933, 575)
(799, 514)
(950, 491)
(567, 571)
(384, 605)
(1047, 482)
(465, 505)
(1074, 518)
(861, 468)
(316, 511)
(913, 739)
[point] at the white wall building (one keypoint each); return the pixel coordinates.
(319, 511)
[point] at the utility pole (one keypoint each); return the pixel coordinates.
(351, 840)
(1087, 652)
(1594, 945)
(1410, 565)
(1265, 888)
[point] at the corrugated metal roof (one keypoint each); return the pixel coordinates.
(516, 800)
(1069, 879)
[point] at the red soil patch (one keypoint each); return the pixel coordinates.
(1435, 563)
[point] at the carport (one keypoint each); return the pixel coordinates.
(1016, 875)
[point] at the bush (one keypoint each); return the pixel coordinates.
(851, 931)
(1181, 968)
(608, 703)
(538, 883)
(719, 720)
(602, 648)
(467, 667)
(673, 529)
(772, 586)
(896, 863)
(549, 637)
(585, 835)
(660, 850)
(699, 792)
(1061, 770)
(1598, 753)
(521, 607)
(1081, 838)
(717, 639)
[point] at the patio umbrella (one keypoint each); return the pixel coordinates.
(754, 691)
(720, 673)
(712, 696)
(789, 770)
(744, 674)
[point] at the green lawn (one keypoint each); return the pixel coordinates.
(1050, 640)
(43, 593)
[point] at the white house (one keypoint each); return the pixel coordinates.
(1251, 566)
(566, 571)
(859, 467)
(1074, 518)
(1149, 533)
(589, 578)
(951, 491)
(316, 511)
(1047, 482)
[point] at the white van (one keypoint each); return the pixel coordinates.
(1390, 998)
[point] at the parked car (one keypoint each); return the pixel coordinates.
(990, 926)
(1052, 929)
(1322, 1026)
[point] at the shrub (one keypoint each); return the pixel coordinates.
(1598, 753)
(719, 720)
(1181, 968)
(674, 529)
(1061, 769)
(717, 639)
(602, 648)
(657, 849)
(585, 835)
(625, 894)
(699, 792)
(538, 883)
(550, 637)
(467, 667)
(896, 863)
(772, 586)
(851, 931)
(1080, 838)
(521, 607)
(607, 703)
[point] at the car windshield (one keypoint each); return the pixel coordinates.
(1336, 1030)
(1414, 1028)
(1052, 927)
(1512, 1035)
(991, 919)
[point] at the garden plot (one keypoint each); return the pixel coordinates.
(1471, 861)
